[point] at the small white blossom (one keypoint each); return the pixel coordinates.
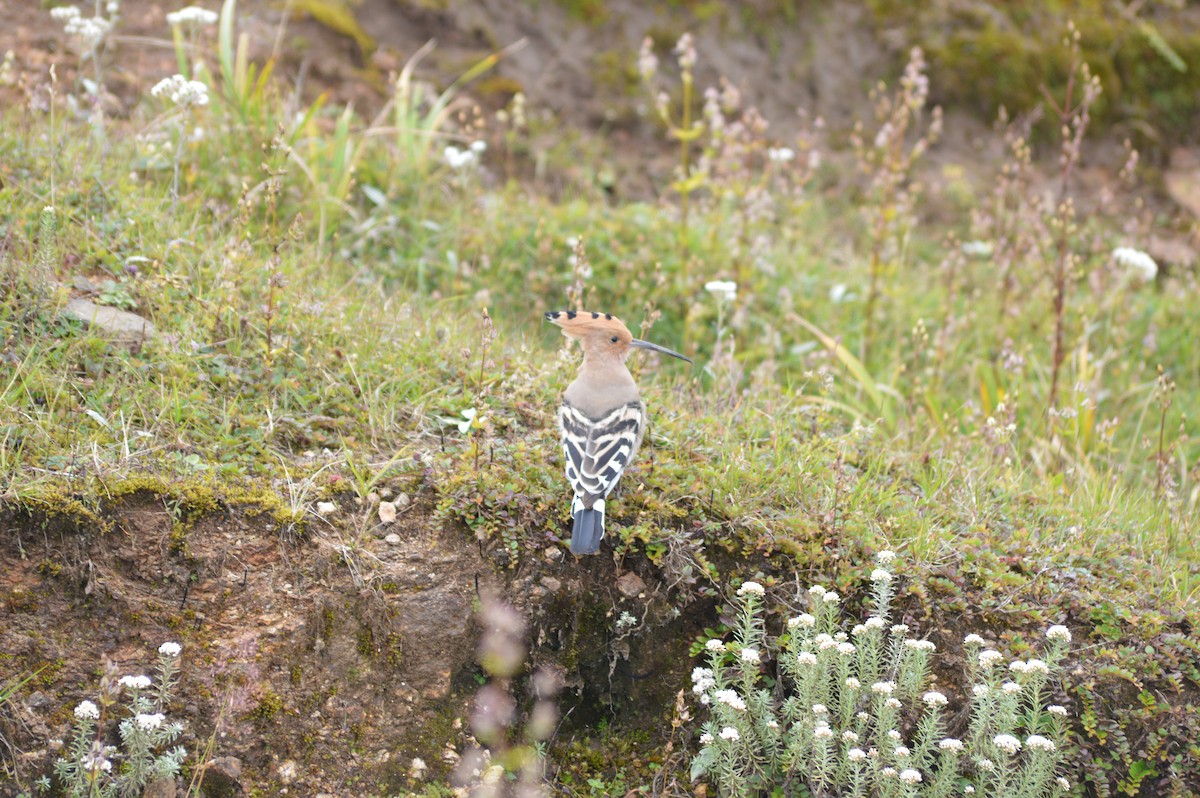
(479, 147)
(715, 646)
(825, 641)
(822, 731)
(181, 91)
(134, 682)
(980, 690)
(647, 61)
(951, 744)
(1007, 743)
(935, 699)
(889, 772)
(816, 590)
(457, 158)
(1056, 709)
(919, 645)
(751, 589)
(781, 154)
(989, 658)
(724, 290)
(893, 735)
(858, 630)
(900, 751)
(892, 703)
(846, 649)
(910, 776)
(1137, 262)
(985, 765)
(169, 649)
(977, 249)
(875, 622)
(1037, 666)
(820, 709)
(830, 597)
(730, 733)
(729, 698)
(192, 15)
(856, 755)
(885, 557)
(968, 790)
(863, 716)
(64, 13)
(1059, 634)
(849, 736)
(881, 575)
(1039, 743)
(86, 709)
(1010, 688)
(883, 688)
(702, 680)
(806, 658)
(899, 628)
(1063, 783)
(853, 683)
(149, 722)
(1017, 666)
(772, 723)
(973, 640)
(706, 739)
(804, 619)
(94, 763)
(750, 655)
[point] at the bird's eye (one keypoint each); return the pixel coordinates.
(613, 339)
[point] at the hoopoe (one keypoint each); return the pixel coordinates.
(602, 418)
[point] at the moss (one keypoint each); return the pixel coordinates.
(268, 707)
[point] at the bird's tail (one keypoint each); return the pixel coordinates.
(588, 529)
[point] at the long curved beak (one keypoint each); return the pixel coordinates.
(655, 347)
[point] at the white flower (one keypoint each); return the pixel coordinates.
(647, 60)
(781, 154)
(824, 641)
(846, 649)
(1063, 784)
(806, 658)
(86, 709)
(134, 682)
(715, 646)
(881, 575)
(1137, 262)
(1039, 743)
(888, 772)
(910, 776)
(750, 655)
(973, 640)
(93, 763)
(899, 628)
(919, 645)
(479, 147)
(864, 717)
(724, 290)
(730, 733)
(820, 709)
(980, 690)
(935, 699)
(1059, 634)
(989, 658)
(1037, 666)
(706, 739)
(822, 731)
(457, 158)
(1017, 666)
(892, 703)
(1010, 688)
(192, 15)
(883, 688)
(853, 683)
(893, 735)
(849, 736)
(148, 722)
(875, 622)
(729, 698)
(772, 724)
(901, 751)
(751, 589)
(169, 649)
(968, 790)
(804, 619)
(830, 597)
(977, 249)
(1055, 709)
(89, 30)
(181, 91)
(64, 13)
(816, 590)
(702, 680)
(985, 765)
(858, 630)
(885, 557)
(1007, 743)
(856, 755)
(951, 744)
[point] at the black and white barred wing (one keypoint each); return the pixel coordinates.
(597, 450)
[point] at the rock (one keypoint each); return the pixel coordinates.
(160, 788)
(392, 539)
(387, 512)
(326, 508)
(37, 700)
(1182, 179)
(287, 771)
(128, 329)
(84, 285)
(401, 501)
(223, 778)
(1171, 251)
(551, 584)
(630, 585)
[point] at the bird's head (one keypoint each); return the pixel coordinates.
(602, 334)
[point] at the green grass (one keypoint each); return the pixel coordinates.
(322, 322)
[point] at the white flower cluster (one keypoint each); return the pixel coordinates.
(730, 733)
(1137, 262)
(951, 744)
(702, 680)
(973, 640)
(169, 649)
(135, 682)
(750, 656)
(910, 776)
(729, 698)
(715, 646)
(977, 249)
(192, 15)
(803, 619)
(935, 699)
(89, 30)
(87, 711)
(781, 154)
(750, 588)
(724, 290)
(1059, 634)
(1039, 743)
(149, 722)
(806, 658)
(920, 645)
(881, 575)
(1007, 743)
(989, 657)
(464, 158)
(181, 91)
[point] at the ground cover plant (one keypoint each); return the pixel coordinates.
(346, 317)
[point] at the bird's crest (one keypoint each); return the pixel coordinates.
(580, 323)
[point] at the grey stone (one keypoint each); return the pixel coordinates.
(223, 778)
(123, 327)
(160, 788)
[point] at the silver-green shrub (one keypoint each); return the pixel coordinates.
(850, 713)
